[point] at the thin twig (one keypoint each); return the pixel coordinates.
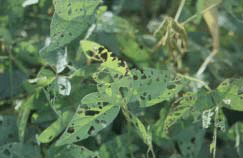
(205, 63)
(215, 130)
(195, 79)
(202, 12)
(179, 10)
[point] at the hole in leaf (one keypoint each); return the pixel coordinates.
(150, 153)
(149, 97)
(116, 76)
(91, 130)
(91, 112)
(90, 53)
(105, 103)
(130, 115)
(136, 124)
(100, 49)
(193, 140)
(104, 56)
(142, 97)
(120, 76)
(97, 121)
(144, 94)
(70, 130)
(50, 137)
(121, 63)
(97, 57)
(78, 138)
(100, 107)
(62, 35)
(70, 11)
(171, 86)
(62, 87)
(6, 152)
(10, 136)
(80, 111)
(70, 34)
(143, 76)
(1, 122)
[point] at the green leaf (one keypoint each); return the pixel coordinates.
(120, 147)
(55, 128)
(182, 110)
(231, 93)
(131, 49)
(149, 87)
(204, 100)
(19, 150)
(96, 52)
(190, 141)
(24, 115)
(199, 7)
(71, 151)
(88, 120)
(8, 128)
(44, 78)
(71, 19)
(144, 133)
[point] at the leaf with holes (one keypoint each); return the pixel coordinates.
(19, 150)
(8, 128)
(96, 52)
(231, 94)
(55, 128)
(71, 19)
(182, 110)
(71, 151)
(190, 141)
(152, 86)
(90, 118)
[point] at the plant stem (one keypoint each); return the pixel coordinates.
(179, 10)
(205, 63)
(205, 10)
(195, 79)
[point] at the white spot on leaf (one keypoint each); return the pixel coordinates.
(61, 61)
(29, 2)
(64, 86)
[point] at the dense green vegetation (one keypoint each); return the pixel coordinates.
(121, 78)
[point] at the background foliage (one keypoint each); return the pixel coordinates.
(93, 78)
